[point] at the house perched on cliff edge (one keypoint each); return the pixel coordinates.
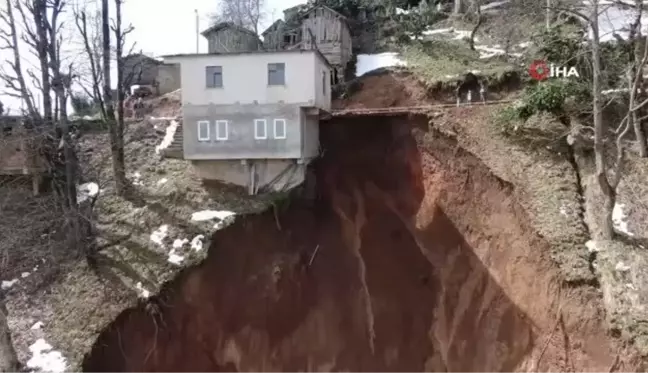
(252, 118)
(317, 26)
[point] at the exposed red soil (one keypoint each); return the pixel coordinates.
(384, 90)
(425, 261)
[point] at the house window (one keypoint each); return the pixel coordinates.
(276, 74)
(279, 128)
(214, 76)
(203, 130)
(221, 130)
(260, 129)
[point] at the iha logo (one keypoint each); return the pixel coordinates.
(540, 70)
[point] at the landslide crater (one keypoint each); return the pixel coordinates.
(415, 257)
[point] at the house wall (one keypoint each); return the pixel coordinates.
(168, 78)
(310, 136)
(276, 174)
(322, 88)
(245, 78)
(230, 40)
(241, 142)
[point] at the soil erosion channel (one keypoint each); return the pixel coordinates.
(425, 261)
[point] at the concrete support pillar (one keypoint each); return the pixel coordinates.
(36, 182)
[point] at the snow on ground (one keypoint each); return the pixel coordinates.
(162, 181)
(37, 325)
(168, 137)
(175, 258)
(494, 4)
(137, 179)
(45, 359)
(87, 190)
(8, 284)
(143, 293)
(614, 19)
(160, 234)
(619, 219)
(591, 246)
(370, 62)
(211, 214)
(177, 244)
(451, 31)
(197, 242)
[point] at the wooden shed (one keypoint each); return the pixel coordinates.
(226, 37)
(315, 27)
(140, 69)
(19, 151)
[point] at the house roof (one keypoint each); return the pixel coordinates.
(142, 56)
(190, 55)
(273, 26)
(325, 7)
(222, 25)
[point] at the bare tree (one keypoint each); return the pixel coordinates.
(476, 5)
(107, 90)
(14, 80)
(244, 13)
(89, 34)
(459, 7)
(119, 164)
(637, 45)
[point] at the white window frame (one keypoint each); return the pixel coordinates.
(201, 123)
(285, 130)
(265, 129)
(219, 135)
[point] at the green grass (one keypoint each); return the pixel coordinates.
(444, 60)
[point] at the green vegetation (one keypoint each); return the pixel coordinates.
(444, 60)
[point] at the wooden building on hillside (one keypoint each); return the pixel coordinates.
(19, 153)
(226, 37)
(316, 27)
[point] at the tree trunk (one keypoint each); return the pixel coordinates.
(480, 20)
(459, 7)
(607, 228)
(8, 358)
(118, 149)
(105, 26)
(40, 19)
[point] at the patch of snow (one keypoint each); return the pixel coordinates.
(526, 44)
(494, 4)
(211, 214)
(87, 190)
(177, 244)
(162, 118)
(37, 325)
(622, 267)
(168, 137)
(46, 359)
(25, 274)
(137, 178)
(402, 11)
(197, 242)
(370, 62)
(438, 31)
(619, 219)
(489, 52)
(160, 234)
(630, 286)
(591, 246)
(143, 293)
(162, 181)
(614, 18)
(563, 210)
(462, 34)
(175, 258)
(8, 284)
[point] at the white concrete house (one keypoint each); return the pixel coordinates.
(252, 118)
